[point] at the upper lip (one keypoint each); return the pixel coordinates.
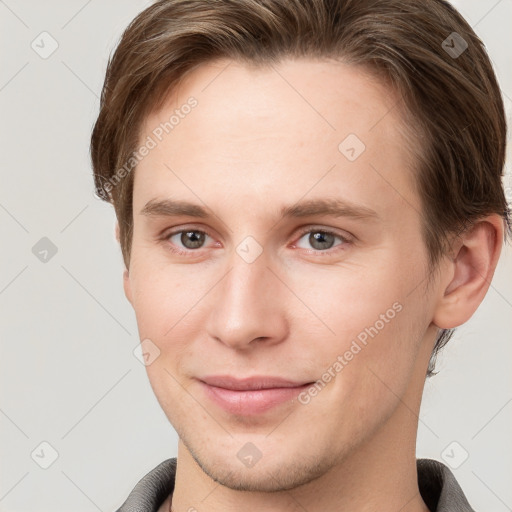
(251, 383)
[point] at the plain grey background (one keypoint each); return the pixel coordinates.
(69, 376)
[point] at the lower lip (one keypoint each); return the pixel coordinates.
(251, 402)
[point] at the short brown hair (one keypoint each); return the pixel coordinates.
(452, 96)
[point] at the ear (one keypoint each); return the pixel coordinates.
(470, 272)
(127, 286)
(117, 232)
(126, 274)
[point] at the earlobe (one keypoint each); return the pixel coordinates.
(471, 271)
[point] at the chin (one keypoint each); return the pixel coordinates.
(268, 474)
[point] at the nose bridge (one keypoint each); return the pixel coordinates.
(248, 278)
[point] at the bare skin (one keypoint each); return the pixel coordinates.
(259, 140)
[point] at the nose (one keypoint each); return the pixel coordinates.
(248, 305)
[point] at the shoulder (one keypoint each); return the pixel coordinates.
(152, 489)
(439, 488)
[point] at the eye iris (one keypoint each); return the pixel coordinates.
(322, 239)
(196, 239)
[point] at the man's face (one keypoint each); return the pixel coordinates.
(252, 293)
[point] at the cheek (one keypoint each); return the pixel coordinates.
(167, 300)
(162, 295)
(376, 322)
(352, 303)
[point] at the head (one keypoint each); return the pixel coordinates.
(343, 169)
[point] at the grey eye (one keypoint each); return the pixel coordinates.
(190, 239)
(320, 240)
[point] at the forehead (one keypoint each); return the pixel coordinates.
(297, 127)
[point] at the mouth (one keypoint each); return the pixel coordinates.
(251, 396)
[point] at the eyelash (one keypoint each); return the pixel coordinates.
(328, 252)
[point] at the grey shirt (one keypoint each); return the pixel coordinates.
(438, 488)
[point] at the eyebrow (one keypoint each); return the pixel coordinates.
(312, 207)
